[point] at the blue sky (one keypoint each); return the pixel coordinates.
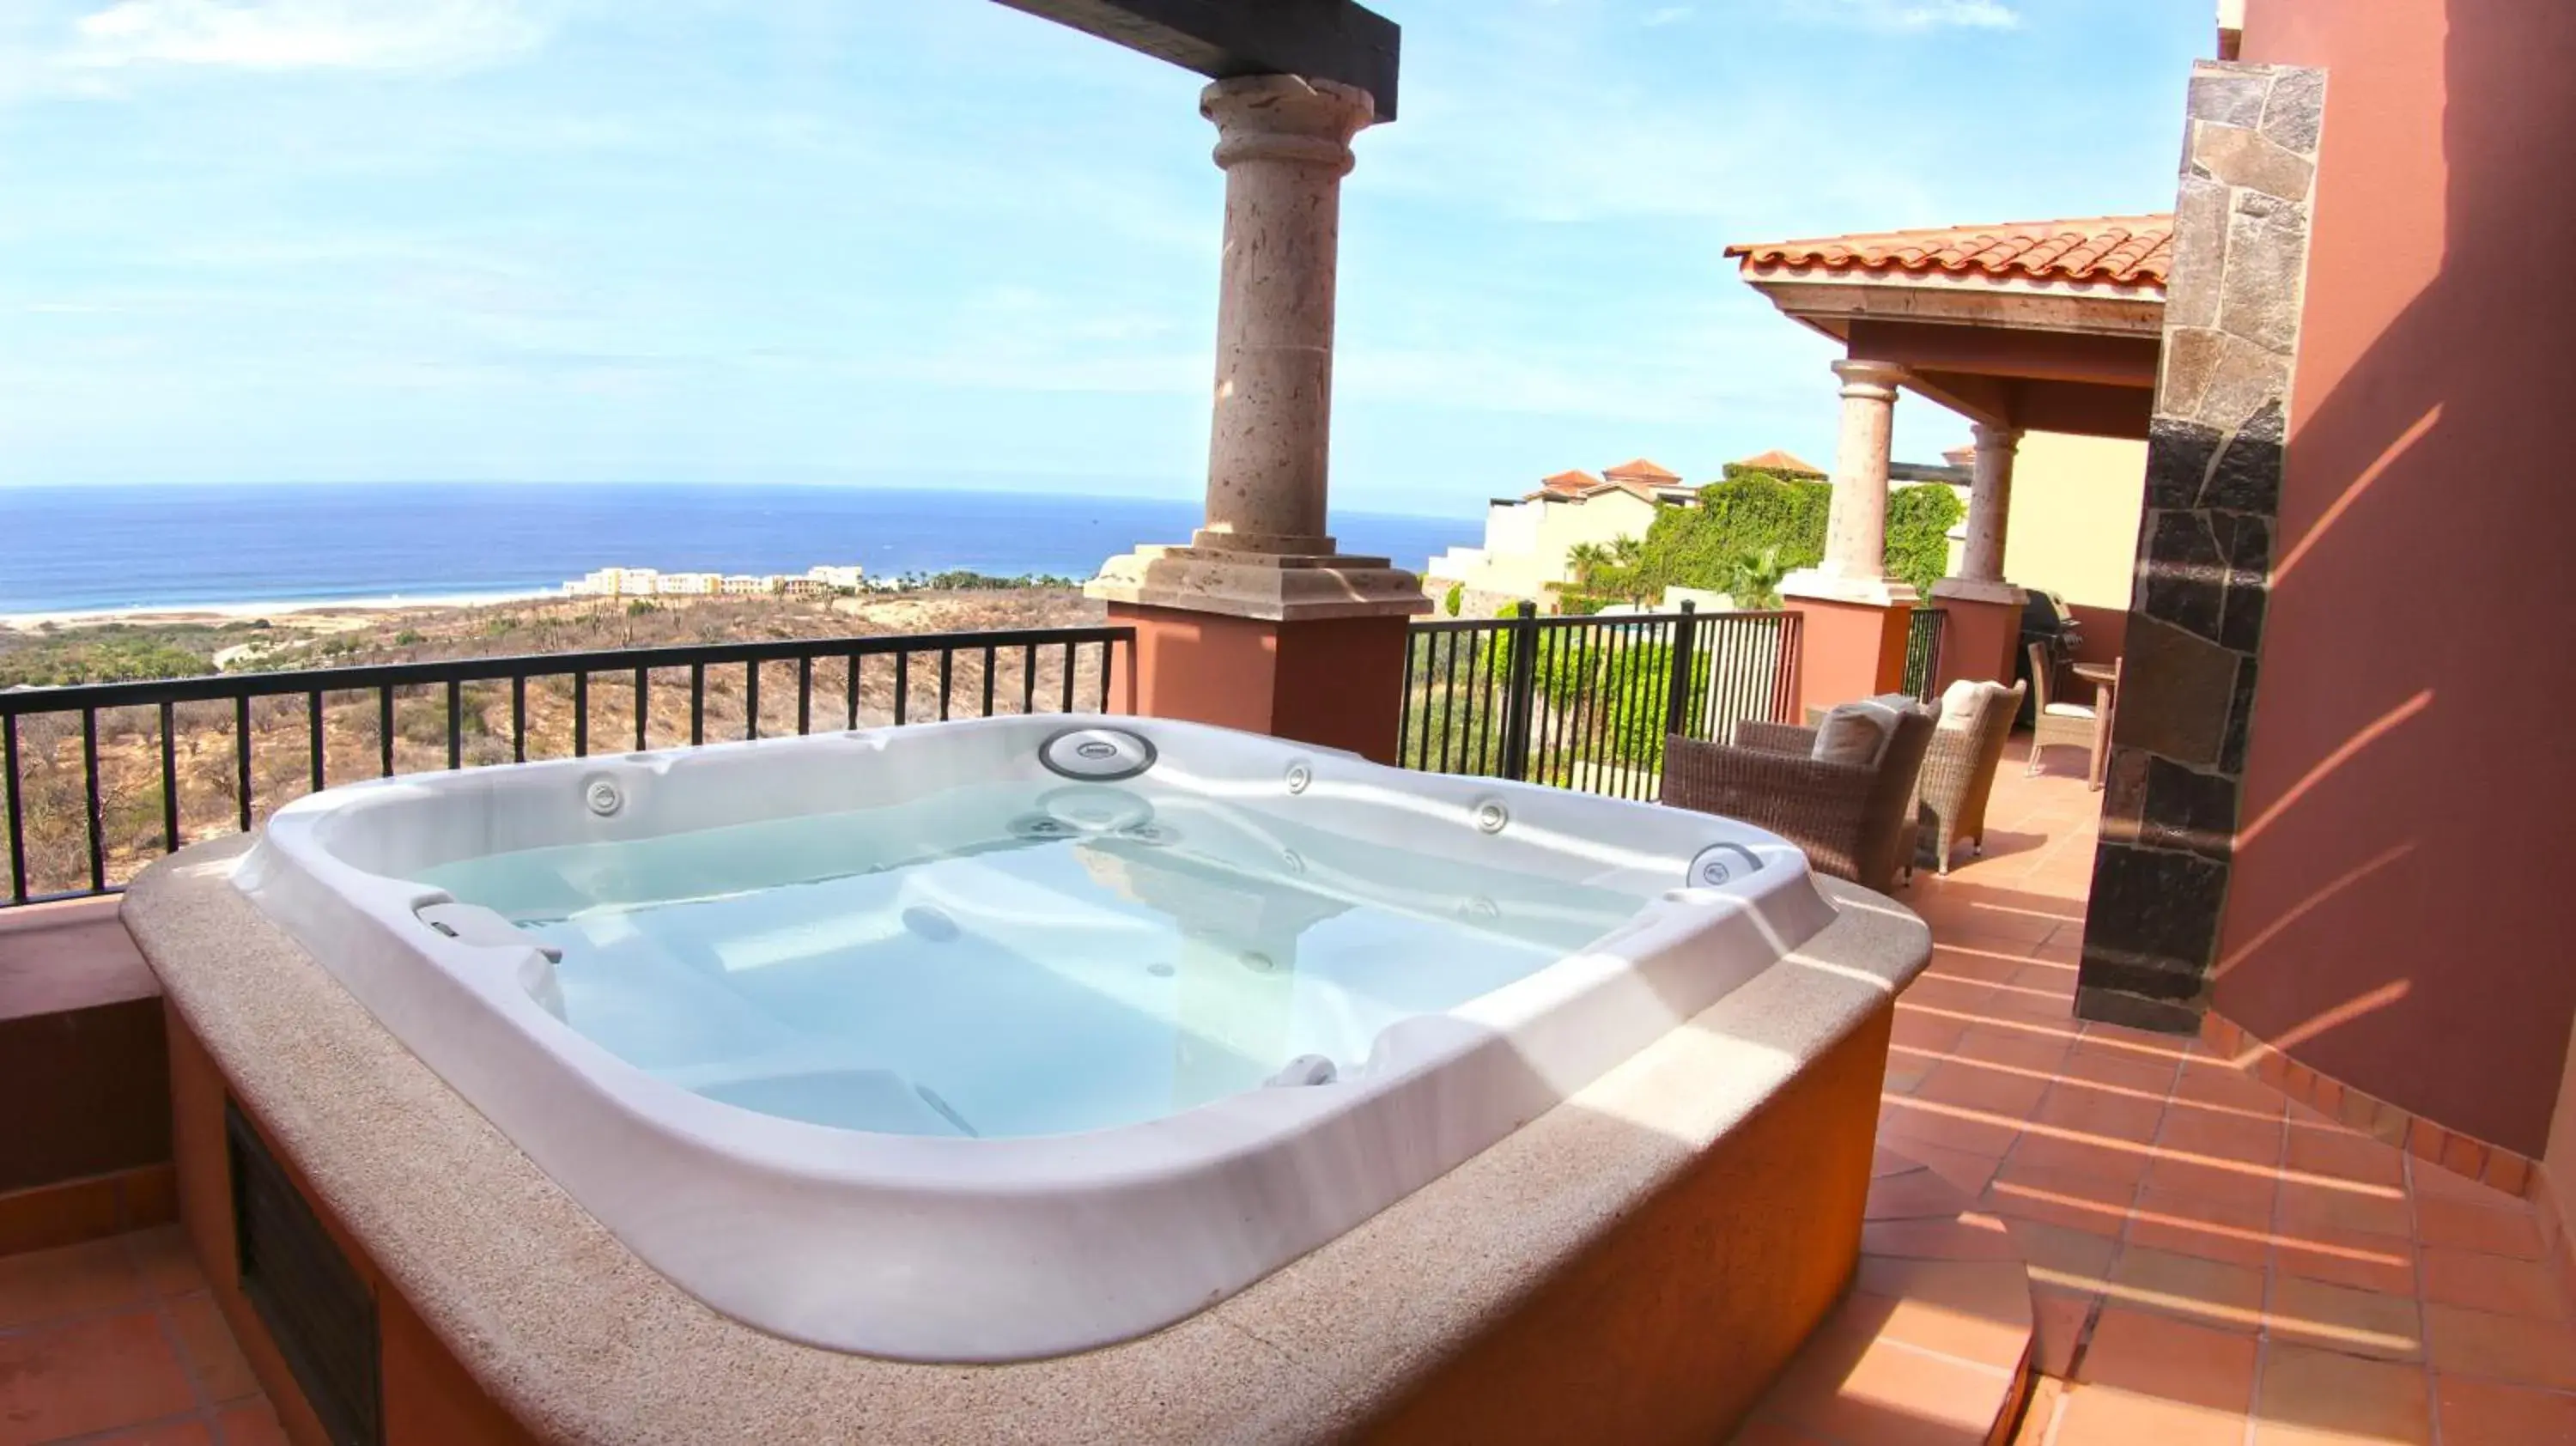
(916, 240)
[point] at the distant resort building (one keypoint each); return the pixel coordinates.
(646, 582)
(1530, 539)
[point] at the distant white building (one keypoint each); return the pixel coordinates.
(739, 585)
(1529, 539)
(616, 582)
(689, 584)
(802, 587)
(849, 578)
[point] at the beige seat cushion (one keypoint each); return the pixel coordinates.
(1854, 733)
(2070, 710)
(1963, 700)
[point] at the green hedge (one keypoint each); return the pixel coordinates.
(1752, 512)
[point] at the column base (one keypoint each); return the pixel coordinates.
(1337, 682)
(1984, 631)
(1309, 647)
(1274, 587)
(1852, 637)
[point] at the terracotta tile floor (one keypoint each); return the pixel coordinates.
(2209, 1262)
(118, 1341)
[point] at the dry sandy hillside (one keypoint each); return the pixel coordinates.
(491, 726)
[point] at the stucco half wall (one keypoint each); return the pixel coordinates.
(2073, 529)
(2398, 917)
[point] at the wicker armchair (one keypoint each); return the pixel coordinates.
(1959, 772)
(1855, 821)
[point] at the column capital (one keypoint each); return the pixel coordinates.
(1286, 118)
(1993, 435)
(1870, 380)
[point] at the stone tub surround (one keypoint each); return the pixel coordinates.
(2205, 548)
(1553, 1273)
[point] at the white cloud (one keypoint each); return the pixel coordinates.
(305, 34)
(1914, 15)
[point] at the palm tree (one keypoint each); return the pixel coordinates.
(1585, 560)
(1753, 579)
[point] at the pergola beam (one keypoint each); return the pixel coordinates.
(2122, 361)
(1332, 40)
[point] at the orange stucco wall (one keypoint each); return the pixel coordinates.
(2399, 916)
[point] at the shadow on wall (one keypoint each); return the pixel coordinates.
(2396, 911)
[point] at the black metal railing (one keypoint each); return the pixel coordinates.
(1923, 650)
(97, 780)
(1586, 702)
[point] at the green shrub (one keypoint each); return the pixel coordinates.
(1919, 520)
(1758, 524)
(1449, 601)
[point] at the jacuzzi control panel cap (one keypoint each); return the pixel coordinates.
(1097, 754)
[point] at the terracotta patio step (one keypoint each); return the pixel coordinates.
(1933, 1343)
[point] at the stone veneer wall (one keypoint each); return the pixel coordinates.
(2214, 453)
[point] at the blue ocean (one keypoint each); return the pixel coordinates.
(81, 548)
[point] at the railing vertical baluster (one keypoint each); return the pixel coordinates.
(1471, 727)
(519, 717)
(852, 684)
(241, 756)
(1793, 652)
(1072, 661)
(455, 723)
(1519, 688)
(643, 709)
(1641, 716)
(1404, 701)
(947, 671)
(988, 680)
(169, 780)
(751, 699)
(697, 704)
(9, 796)
(1622, 708)
(89, 783)
(1108, 666)
(804, 694)
(1446, 717)
(1028, 677)
(313, 734)
(580, 714)
(1678, 691)
(903, 686)
(385, 731)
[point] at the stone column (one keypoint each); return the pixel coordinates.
(1856, 528)
(1284, 145)
(1983, 632)
(1852, 642)
(1989, 503)
(1240, 625)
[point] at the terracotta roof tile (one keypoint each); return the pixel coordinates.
(1776, 460)
(2133, 249)
(1638, 469)
(1575, 481)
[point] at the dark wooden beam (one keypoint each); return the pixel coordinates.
(2087, 409)
(1318, 39)
(1996, 351)
(1979, 399)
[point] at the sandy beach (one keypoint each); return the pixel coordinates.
(314, 614)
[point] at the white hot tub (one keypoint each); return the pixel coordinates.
(988, 1040)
